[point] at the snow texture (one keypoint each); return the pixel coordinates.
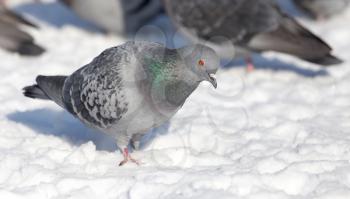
(280, 132)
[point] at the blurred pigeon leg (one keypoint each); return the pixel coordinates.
(127, 157)
(136, 141)
(250, 64)
(321, 18)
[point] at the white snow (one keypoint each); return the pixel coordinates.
(281, 132)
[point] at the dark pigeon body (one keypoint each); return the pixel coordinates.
(251, 26)
(116, 16)
(12, 38)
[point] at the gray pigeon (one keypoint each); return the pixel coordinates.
(116, 16)
(12, 38)
(320, 9)
(131, 88)
(251, 26)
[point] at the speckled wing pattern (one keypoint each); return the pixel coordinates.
(95, 92)
(237, 20)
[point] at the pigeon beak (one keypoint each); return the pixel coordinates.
(211, 78)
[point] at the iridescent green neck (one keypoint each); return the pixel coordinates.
(169, 82)
(160, 70)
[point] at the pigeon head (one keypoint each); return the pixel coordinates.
(201, 60)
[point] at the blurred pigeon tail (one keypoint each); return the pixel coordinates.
(47, 88)
(12, 38)
(292, 38)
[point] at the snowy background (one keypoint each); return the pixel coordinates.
(280, 132)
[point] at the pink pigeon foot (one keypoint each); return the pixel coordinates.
(250, 65)
(127, 157)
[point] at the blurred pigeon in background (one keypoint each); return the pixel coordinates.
(116, 16)
(12, 38)
(131, 88)
(251, 26)
(321, 9)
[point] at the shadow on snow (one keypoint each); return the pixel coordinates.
(63, 125)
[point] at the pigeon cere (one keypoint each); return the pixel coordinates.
(175, 99)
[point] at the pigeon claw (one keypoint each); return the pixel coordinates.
(128, 158)
(123, 162)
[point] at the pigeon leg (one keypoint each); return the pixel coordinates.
(135, 141)
(321, 18)
(127, 157)
(135, 144)
(250, 64)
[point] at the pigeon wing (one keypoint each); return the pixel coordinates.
(95, 93)
(236, 20)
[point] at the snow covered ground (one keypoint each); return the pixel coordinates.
(280, 132)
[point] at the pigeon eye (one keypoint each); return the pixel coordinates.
(201, 62)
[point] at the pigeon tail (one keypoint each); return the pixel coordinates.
(47, 87)
(327, 60)
(292, 38)
(29, 49)
(34, 92)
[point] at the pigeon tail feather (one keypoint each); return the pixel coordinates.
(52, 87)
(47, 87)
(327, 60)
(292, 38)
(29, 49)
(34, 92)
